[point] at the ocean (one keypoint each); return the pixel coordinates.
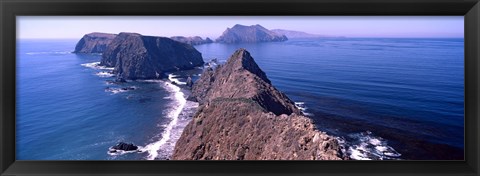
(383, 98)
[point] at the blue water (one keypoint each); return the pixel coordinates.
(65, 111)
(385, 98)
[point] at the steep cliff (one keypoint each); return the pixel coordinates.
(145, 57)
(94, 43)
(192, 40)
(249, 34)
(243, 117)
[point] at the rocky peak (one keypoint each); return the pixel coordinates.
(242, 60)
(241, 78)
(243, 117)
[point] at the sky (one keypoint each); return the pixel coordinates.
(74, 27)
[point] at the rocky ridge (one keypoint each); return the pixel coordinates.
(243, 117)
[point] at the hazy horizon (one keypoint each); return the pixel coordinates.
(67, 27)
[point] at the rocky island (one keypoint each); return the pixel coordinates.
(243, 117)
(249, 34)
(94, 42)
(135, 56)
(196, 40)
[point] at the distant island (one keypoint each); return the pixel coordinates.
(196, 40)
(295, 34)
(243, 117)
(97, 42)
(249, 34)
(135, 56)
(299, 34)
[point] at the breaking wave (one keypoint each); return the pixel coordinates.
(105, 74)
(123, 152)
(303, 108)
(96, 65)
(115, 90)
(173, 78)
(366, 146)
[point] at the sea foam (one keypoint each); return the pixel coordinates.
(96, 65)
(104, 74)
(173, 78)
(122, 152)
(303, 108)
(163, 148)
(367, 146)
(116, 90)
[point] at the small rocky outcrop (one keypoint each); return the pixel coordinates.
(94, 43)
(124, 147)
(135, 56)
(249, 34)
(243, 117)
(196, 40)
(189, 82)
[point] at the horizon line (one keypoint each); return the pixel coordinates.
(409, 37)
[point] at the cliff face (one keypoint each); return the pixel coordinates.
(249, 34)
(145, 57)
(94, 43)
(243, 117)
(192, 40)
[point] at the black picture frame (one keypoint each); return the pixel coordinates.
(9, 9)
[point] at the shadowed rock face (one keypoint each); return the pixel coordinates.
(146, 57)
(192, 40)
(249, 34)
(94, 43)
(243, 117)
